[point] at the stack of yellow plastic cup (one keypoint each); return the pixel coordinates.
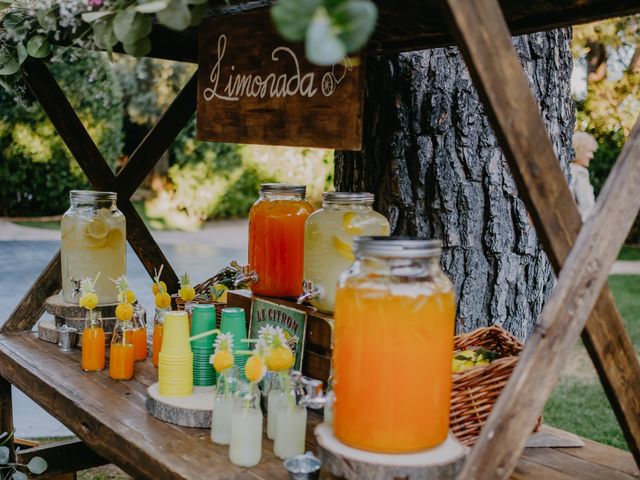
(175, 366)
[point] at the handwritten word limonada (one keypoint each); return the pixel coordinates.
(240, 85)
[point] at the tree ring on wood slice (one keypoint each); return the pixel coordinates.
(439, 463)
(192, 411)
(58, 307)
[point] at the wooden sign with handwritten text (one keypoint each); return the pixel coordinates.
(255, 87)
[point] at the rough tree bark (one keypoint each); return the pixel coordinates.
(435, 166)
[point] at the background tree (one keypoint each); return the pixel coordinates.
(435, 166)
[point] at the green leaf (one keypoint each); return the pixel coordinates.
(38, 46)
(176, 16)
(153, 6)
(4, 5)
(90, 17)
(19, 476)
(322, 45)
(103, 34)
(197, 13)
(139, 48)
(37, 465)
(13, 21)
(357, 19)
(47, 19)
(198, 2)
(22, 55)
(9, 67)
(292, 17)
(6, 86)
(130, 26)
(4, 455)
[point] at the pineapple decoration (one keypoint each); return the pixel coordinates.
(126, 297)
(162, 297)
(256, 368)
(222, 358)
(279, 357)
(89, 298)
(187, 292)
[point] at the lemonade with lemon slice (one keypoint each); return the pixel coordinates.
(93, 234)
(328, 241)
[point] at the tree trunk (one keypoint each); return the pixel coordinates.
(435, 166)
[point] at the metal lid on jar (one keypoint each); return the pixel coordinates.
(397, 247)
(348, 198)
(283, 189)
(92, 195)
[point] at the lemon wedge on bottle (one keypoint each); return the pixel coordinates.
(343, 248)
(350, 225)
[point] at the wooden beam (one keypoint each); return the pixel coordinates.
(405, 25)
(6, 415)
(514, 115)
(31, 307)
(63, 458)
(157, 141)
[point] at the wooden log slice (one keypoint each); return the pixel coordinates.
(58, 307)
(193, 411)
(47, 330)
(108, 324)
(439, 463)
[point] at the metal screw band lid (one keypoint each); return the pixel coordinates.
(283, 189)
(345, 198)
(92, 196)
(397, 247)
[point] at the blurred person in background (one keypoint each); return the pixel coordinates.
(585, 146)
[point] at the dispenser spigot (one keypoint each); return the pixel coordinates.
(309, 291)
(309, 392)
(245, 276)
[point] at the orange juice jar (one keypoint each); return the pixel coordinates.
(276, 240)
(93, 343)
(122, 352)
(393, 345)
(158, 330)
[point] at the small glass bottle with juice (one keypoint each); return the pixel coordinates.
(93, 343)
(394, 327)
(276, 240)
(245, 444)
(122, 351)
(158, 329)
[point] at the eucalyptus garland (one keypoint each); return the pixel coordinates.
(330, 29)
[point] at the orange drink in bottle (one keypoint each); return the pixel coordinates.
(93, 345)
(393, 345)
(139, 340)
(121, 359)
(158, 330)
(276, 240)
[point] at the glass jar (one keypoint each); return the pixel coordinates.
(328, 242)
(93, 235)
(93, 342)
(276, 240)
(226, 387)
(245, 445)
(158, 330)
(122, 351)
(291, 422)
(394, 327)
(274, 396)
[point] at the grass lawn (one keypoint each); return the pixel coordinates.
(578, 402)
(629, 252)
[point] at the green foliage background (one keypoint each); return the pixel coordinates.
(36, 168)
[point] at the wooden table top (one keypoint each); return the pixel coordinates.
(110, 417)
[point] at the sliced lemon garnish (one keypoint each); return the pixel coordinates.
(349, 224)
(97, 228)
(115, 238)
(343, 248)
(219, 290)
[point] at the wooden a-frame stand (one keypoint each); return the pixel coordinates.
(580, 254)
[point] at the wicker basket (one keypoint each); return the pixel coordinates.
(202, 290)
(475, 390)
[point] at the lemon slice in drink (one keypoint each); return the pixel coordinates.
(349, 223)
(97, 228)
(115, 238)
(343, 248)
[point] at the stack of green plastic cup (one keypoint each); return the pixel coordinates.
(234, 321)
(203, 320)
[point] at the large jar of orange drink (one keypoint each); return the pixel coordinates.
(394, 327)
(276, 240)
